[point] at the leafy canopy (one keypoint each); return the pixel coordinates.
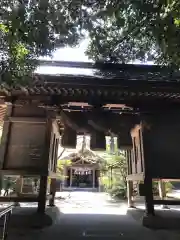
(119, 31)
(33, 28)
(129, 30)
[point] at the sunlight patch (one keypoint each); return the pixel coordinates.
(93, 210)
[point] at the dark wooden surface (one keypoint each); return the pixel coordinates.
(161, 145)
(109, 83)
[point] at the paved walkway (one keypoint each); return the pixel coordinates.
(85, 215)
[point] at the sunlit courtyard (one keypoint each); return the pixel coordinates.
(91, 203)
(96, 215)
(83, 214)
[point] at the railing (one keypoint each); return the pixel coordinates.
(6, 214)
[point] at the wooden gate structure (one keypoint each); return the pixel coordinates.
(140, 104)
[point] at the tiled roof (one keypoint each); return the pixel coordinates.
(109, 82)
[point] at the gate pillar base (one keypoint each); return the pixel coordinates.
(52, 192)
(42, 195)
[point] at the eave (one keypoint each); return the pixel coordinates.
(111, 84)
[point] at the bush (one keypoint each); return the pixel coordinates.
(118, 191)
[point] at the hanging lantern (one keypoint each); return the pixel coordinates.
(98, 141)
(124, 141)
(69, 139)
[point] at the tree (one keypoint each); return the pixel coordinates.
(61, 164)
(33, 28)
(114, 169)
(136, 30)
(119, 31)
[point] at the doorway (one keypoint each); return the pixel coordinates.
(82, 179)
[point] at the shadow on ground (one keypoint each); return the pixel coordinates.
(96, 226)
(164, 219)
(26, 223)
(27, 217)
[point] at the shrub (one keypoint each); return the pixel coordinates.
(118, 191)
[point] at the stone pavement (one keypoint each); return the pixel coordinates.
(92, 215)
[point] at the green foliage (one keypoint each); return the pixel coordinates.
(105, 182)
(61, 164)
(116, 187)
(177, 22)
(30, 29)
(169, 186)
(118, 191)
(119, 31)
(136, 30)
(114, 171)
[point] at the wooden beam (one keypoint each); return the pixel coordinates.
(23, 198)
(19, 199)
(27, 120)
(167, 180)
(166, 202)
(24, 172)
(135, 177)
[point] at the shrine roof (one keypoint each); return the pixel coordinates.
(111, 71)
(108, 82)
(87, 156)
(84, 72)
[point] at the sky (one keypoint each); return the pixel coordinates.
(68, 54)
(71, 54)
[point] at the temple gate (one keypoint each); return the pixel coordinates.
(136, 103)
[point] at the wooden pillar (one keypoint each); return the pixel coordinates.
(5, 134)
(5, 139)
(162, 192)
(146, 163)
(149, 196)
(93, 177)
(42, 194)
(70, 177)
(130, 194)
(1, 184)
(129, 183)
(44, 178)
(65, 177)
(111, 177)
(52, 192)
(21, 183)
